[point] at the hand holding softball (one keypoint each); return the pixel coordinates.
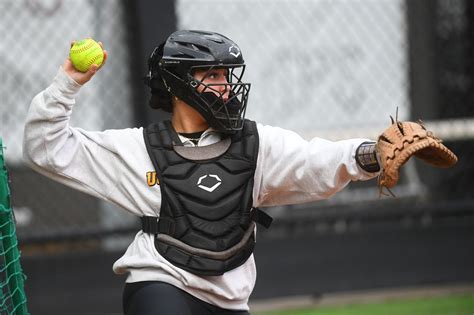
(85, 58)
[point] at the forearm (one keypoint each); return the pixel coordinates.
(293, 170)
(55, 149)
(47, 124)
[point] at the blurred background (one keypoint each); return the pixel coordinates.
(329, 68)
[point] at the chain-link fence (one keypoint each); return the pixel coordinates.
(35, 42)
(335, 69)
(315, 65)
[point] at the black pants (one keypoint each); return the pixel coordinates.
(159, 298)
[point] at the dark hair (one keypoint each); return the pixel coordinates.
(161, 99)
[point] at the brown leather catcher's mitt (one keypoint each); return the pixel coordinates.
(402, 140)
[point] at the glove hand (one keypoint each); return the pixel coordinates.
(399, 142)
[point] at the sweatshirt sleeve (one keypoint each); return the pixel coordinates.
(291, 170)
(80, 159)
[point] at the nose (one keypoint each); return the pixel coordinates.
(224, 89)
(225, 93)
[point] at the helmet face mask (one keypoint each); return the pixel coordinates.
(188, 52)
(225, 103)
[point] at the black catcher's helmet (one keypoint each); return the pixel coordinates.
(172, 66)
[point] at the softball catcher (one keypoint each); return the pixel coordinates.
(213, 170)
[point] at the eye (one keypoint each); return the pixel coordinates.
(216, 75)
(213, 75)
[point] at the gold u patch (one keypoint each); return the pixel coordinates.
(152, 179)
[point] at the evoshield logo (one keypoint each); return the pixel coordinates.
(234, 51)
(209, 182)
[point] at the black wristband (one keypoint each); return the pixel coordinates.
(366, 157)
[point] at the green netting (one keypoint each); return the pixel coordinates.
(12, 294)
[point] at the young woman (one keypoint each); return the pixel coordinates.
(213, 167)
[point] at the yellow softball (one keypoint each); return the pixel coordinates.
(85, 53)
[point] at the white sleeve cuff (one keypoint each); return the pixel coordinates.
(64, 88)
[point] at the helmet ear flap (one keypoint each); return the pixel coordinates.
(153, 65)
(160, 97)
(155, 56)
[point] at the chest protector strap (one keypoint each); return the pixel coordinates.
(206, 224)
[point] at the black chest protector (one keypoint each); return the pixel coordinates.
(206, 224)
